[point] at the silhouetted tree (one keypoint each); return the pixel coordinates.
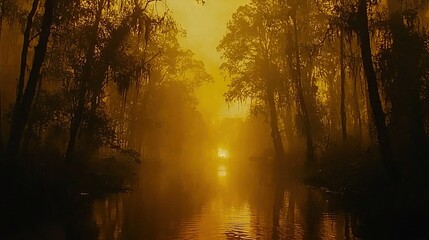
(343, 86)
(305, 34)
(93, 76)
(23, 108)
(371, 78)
(24, 53)
(251, 50)
(404, 67)
(300, 91)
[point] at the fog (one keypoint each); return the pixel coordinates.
(247, 119)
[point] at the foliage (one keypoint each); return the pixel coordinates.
(100, 56)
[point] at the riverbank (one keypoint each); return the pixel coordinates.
(385, 210)
(48, 200)
(348, 172)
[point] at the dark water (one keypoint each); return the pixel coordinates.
(221, 202)
(221, 199)
(218, 200)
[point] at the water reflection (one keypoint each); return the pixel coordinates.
(223, 202)
(47, 216)
(221, 171)
(110, 216)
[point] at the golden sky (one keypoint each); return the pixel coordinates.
(205, 26)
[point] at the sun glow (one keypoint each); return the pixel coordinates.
(221, 171)
(203, 37)
(222, 153)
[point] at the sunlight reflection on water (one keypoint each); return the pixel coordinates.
(221, 171)
(217, 221)
(224, 217)
(221, 206)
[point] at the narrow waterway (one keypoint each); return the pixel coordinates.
(221, 201)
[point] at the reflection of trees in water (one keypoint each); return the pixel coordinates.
(109, 215)
(47, 217)
(78, 221)
(284, 225)
(173, 204)
(312, 215)
(278, 205)
(162, 201)
(302, 213)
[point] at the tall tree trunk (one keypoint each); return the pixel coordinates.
(289, 127)
(333, 122)
(28, 132)
(24, 53)
(343, 89)
(301, 98)
(74, 128)
(374, 97)
(407, 107)
(78, 114)
(22, 110)
(274, 123)
(356, 102)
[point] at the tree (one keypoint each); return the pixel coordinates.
(25, 46)
(404, 67)
(93, 75)
(371, 79)
(83, 83)
(251, 49)
(300, 91)
(23, 108)
(343, 87)
(168, 66)
(305, 33)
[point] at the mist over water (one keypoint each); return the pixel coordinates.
(226, 201)
(214, 119)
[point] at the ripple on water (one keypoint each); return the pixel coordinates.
(219, 220)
